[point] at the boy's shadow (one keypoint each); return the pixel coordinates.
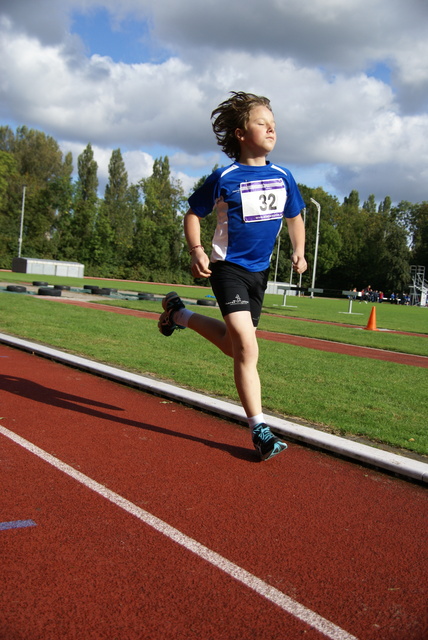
(46, 395)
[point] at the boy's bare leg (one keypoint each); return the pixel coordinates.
(236, 337)
(245, 356)
(213, 330)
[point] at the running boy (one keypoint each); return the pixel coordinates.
(250, 198)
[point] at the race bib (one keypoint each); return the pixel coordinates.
(263, 200)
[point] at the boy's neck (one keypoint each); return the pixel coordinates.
(253, 162)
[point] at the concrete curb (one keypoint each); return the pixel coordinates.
(384, 460)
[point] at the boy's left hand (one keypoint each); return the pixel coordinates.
(299, 263)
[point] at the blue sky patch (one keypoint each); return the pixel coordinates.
(128, 41)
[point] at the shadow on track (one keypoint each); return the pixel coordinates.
(55, 398)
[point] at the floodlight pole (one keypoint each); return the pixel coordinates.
(318, 206)
(22, 221)
(277, 257)
(304, 224)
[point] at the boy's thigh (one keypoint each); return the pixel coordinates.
(241, 330)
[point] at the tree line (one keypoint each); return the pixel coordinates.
(135, 230)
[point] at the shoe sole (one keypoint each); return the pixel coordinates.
(278, 447)
(165, 331)
(168, 297)
(168, 330)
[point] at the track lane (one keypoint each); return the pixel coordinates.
(273, 595)
(346, 542)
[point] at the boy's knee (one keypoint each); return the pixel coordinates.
(245, 349)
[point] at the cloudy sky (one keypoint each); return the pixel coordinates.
(347, 79)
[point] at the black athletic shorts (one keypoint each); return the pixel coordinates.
(237, 289)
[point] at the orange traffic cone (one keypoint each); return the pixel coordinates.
(371, 325)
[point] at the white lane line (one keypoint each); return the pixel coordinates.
(283, 601)
(16, 524)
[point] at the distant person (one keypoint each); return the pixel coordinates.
(250, 198)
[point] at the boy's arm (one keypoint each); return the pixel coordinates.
(296, 231)
(192, 231)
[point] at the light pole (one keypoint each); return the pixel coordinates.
(277, 256)
(22, 221)
(304, 224)
(317, 237)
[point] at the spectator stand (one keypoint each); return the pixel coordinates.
(419, 286)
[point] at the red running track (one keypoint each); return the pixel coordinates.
(155, 521)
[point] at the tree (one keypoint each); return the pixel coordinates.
(37, 154)
(39, 165)
(374, 246)
(419, 231)
(8, 169)
(158, 242)
(385, 262)
(85, 206)
(117, 212)
(370, 204)
(62, 194)
(351, 224)
(8, 231)
(394, 265)
(385, 206)
(101, 244)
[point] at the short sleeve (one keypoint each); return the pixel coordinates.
(202, 201)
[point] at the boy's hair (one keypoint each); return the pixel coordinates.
(233, 114)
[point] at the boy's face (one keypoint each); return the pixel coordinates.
(259, 136)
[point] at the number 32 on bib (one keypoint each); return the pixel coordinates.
(263, 200)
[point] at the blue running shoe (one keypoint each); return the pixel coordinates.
(266, 443)
(171, 303)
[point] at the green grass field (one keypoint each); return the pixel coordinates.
(381, 401)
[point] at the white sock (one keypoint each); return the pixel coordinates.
(182, 316)
(255, 420)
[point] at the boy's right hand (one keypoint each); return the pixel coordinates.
(200, 264)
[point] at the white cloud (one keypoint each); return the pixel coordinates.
(196, 163)
(97, 99)
(312, 59)
(138, 165)
(47, 19)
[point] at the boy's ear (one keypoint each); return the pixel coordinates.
(239, 134)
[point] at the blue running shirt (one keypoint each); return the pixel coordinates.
(250, 203)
